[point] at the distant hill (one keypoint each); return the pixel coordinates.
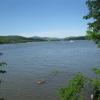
(13, 39)
(75, 38)
(21, 39)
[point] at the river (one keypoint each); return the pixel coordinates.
(55, 62)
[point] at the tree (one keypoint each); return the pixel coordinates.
(93, 31)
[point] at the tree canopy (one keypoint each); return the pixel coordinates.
(93, 31)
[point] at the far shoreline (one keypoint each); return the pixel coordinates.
(21, 39)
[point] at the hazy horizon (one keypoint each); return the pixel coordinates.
(43, 36)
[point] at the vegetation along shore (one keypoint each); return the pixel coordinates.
(21, 39)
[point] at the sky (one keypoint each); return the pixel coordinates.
(45, 18)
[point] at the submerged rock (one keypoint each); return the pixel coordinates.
(40, 82)
(1, 53)
(2, 71)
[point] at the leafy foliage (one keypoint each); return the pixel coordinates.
(96, 84)
(96, 70)
(73, 89)
(75, 38)
(19, 39)
(94, 14)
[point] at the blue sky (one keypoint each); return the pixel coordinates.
(52, 18)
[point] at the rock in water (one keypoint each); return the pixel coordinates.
(40, 82)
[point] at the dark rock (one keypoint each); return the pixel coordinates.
(2, 71)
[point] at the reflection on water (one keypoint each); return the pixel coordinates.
(54, 62)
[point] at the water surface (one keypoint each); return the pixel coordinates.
(29, 62)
